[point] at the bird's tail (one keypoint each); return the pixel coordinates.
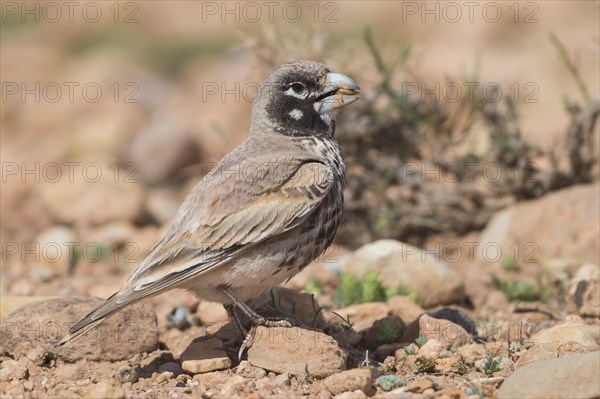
(111, 306)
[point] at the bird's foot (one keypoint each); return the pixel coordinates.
(272, 322)
(261, 321)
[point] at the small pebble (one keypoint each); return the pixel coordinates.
(282, 380)
(126, 374)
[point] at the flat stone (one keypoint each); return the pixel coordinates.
(205, 355)
(574, 376)
(13, 370)
(433, 349)
(363, 315)
(447, 333)
(349, 380)
(405, 308)
(129, 332)
(296, 351)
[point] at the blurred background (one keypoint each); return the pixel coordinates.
(112, 111)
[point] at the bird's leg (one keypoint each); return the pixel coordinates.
(254, 317)
(230, 308)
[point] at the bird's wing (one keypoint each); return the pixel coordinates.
(226, 214)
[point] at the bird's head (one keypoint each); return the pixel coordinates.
(301, 99)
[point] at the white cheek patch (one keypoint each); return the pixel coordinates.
(296, 114)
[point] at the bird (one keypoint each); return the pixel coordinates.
(264, 212)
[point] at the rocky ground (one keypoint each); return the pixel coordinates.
(386, 320)
(497, 295)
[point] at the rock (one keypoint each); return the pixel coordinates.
(363, 315)
(456, 316)
(289, 303)
(69, 372)
(583, 334)
(296, 351)
(447, 364)
(105, 390)
(13, 370)
(162, 149)
(233, 385)
(471, 352)
(55, 242)
(129, 332)
(386, 350)
(574, 376)
(405, 308)
(10, 303)
(358, 394)
(162, 378)
(126, 374)
(402, 265)
(350, 380)
(571, 233)
(170, 367)
(384, 331)
(433, 349)
(38, 356)
(559, 341)
(245, 369)
(419, 385)
(91, 201)
(282, 380)
(550, 351)
(205, 355)
(584, 291)
(447, 333)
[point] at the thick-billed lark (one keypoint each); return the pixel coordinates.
(267, 209)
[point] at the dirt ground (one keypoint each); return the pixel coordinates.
(440, 283)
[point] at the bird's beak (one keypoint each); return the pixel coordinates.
(339, 91)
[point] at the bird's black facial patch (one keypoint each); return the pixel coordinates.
(291, 105)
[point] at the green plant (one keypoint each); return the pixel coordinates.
(525, 290)
(388, 332)
(404, 291)
(459, 367)
(349, 289)
(421, 340)
(425, 365)
(389, 382)
(314, 286)
(409, 350)
(371, 290)
(492, 364)
(475, 389)
(509, 264)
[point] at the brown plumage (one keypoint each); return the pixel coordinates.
(265, 211)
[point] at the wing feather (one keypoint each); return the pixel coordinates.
(218, 222)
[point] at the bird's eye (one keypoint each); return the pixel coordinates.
(297, 87)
